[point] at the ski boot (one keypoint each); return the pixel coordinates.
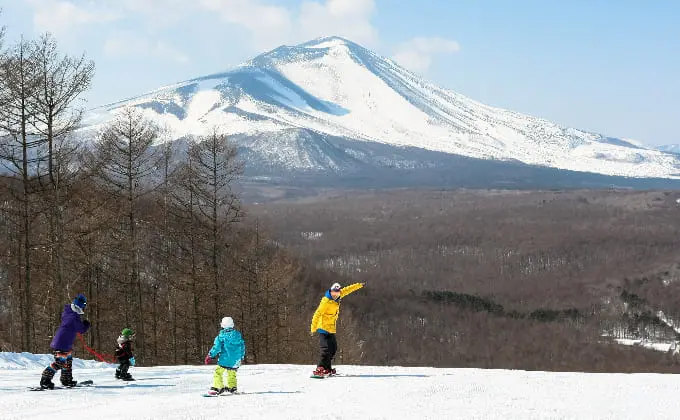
(229, 390)
(46, 383)
(69, 383)
(215, 391)
(321, 372)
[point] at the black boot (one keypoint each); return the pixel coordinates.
(122, 372)
(46, 383)
(46, 379)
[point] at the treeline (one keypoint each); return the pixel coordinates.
(152, 233)
(481, 304)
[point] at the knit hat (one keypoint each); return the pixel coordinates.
(227, 322)
(80, 301)
(336, 287)
(127, 332)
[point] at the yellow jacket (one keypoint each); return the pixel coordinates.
(326, 315)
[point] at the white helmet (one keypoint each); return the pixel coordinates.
(227, 322)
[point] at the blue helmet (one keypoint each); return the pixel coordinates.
(80, 301)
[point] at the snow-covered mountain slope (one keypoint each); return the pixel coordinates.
(287, 106)
(364, 392)
(670, 148)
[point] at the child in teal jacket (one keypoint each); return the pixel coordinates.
(229, 349)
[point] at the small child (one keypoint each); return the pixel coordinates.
(124, 354)
(62, 343)
(230, 349)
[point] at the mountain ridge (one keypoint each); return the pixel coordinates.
(333, 88)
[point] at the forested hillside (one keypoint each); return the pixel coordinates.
(522, 279)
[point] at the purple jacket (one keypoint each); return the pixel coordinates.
(70, 325)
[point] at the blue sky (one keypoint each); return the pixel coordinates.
(608, 66)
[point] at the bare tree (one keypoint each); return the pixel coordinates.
(126, 162)
(161, 248)
(61, 80)
(18, 153)
(190, 241)
(215, 170)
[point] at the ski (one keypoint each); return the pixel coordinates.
(83, 384)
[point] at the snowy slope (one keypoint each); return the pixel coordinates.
(11, 361)
(333, 88)
(670, 148)
(286, 392)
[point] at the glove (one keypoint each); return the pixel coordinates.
(132, 361)
(208, 359)
(86, 323)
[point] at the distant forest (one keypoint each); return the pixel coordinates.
(495, 279)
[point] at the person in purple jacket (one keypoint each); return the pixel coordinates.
(62, 343)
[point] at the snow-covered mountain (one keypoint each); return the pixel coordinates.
(330, 105)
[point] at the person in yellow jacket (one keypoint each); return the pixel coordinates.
(324, 323)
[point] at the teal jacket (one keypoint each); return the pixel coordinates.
(229, 347)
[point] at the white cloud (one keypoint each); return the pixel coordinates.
(131, 44)
(417, 54)
(271, 25)
(159, 13)
(65, 16)
(59, 16)
(348, 18)
(266, 23)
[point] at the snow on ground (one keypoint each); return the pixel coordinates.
(287, 392)
(12, 361)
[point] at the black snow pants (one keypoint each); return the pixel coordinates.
(329, 346)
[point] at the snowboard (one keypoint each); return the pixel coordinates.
(83, 384)
(323, 376)
(224, 394)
